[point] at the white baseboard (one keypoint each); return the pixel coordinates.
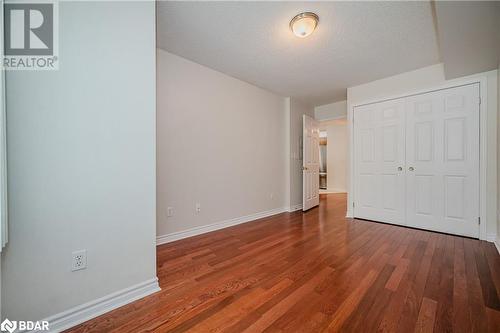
(497, 244)
(92, 309)
(491, 238)
(294, 208)
(163, 239)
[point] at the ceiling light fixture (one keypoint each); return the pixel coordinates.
(303, 25)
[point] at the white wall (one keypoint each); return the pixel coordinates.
(221, 143)
(331, 111)
(396, 85)
(428, 78)
(336, 154)
(498, 156)
(297, 110)
(469, 36)
(2, 106)
(81, 144)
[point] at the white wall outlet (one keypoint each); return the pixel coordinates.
(79, 260)
(198, 208)
(170, 211)
(271, 196)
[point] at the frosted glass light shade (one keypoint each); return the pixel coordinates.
(304, 24)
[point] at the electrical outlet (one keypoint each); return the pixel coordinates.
(271, 196)
(170, 211)
(79, 260)
(198, 208)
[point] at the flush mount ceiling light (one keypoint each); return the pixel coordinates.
(304, 24)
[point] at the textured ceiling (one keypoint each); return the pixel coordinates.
(356, 42)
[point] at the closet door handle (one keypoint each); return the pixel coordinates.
(411, 168)
(400, 168)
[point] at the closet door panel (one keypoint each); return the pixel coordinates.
(442, 158)
(379, 161)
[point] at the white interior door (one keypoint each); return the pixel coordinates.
(442, 153)
(379, 162)
(310, 166)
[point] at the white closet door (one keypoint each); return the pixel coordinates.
(442, 160)
(379, 183)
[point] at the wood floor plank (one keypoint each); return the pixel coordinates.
(490, 295)
(365, 317)
(414, 281)
(461, 314)
(393, 282)
(317, 271)
(411, 307)
(351, 302)
(282, 307)
(477, 308)
(427, 316)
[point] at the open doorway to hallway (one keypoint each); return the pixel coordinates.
(333, 148)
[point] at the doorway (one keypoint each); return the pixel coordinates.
(333, 149)
(323, 157)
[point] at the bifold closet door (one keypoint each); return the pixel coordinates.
(442, 160)
(379, 183)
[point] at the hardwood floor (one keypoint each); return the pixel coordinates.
(317, 272)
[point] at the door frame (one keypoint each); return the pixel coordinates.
(482, 80)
